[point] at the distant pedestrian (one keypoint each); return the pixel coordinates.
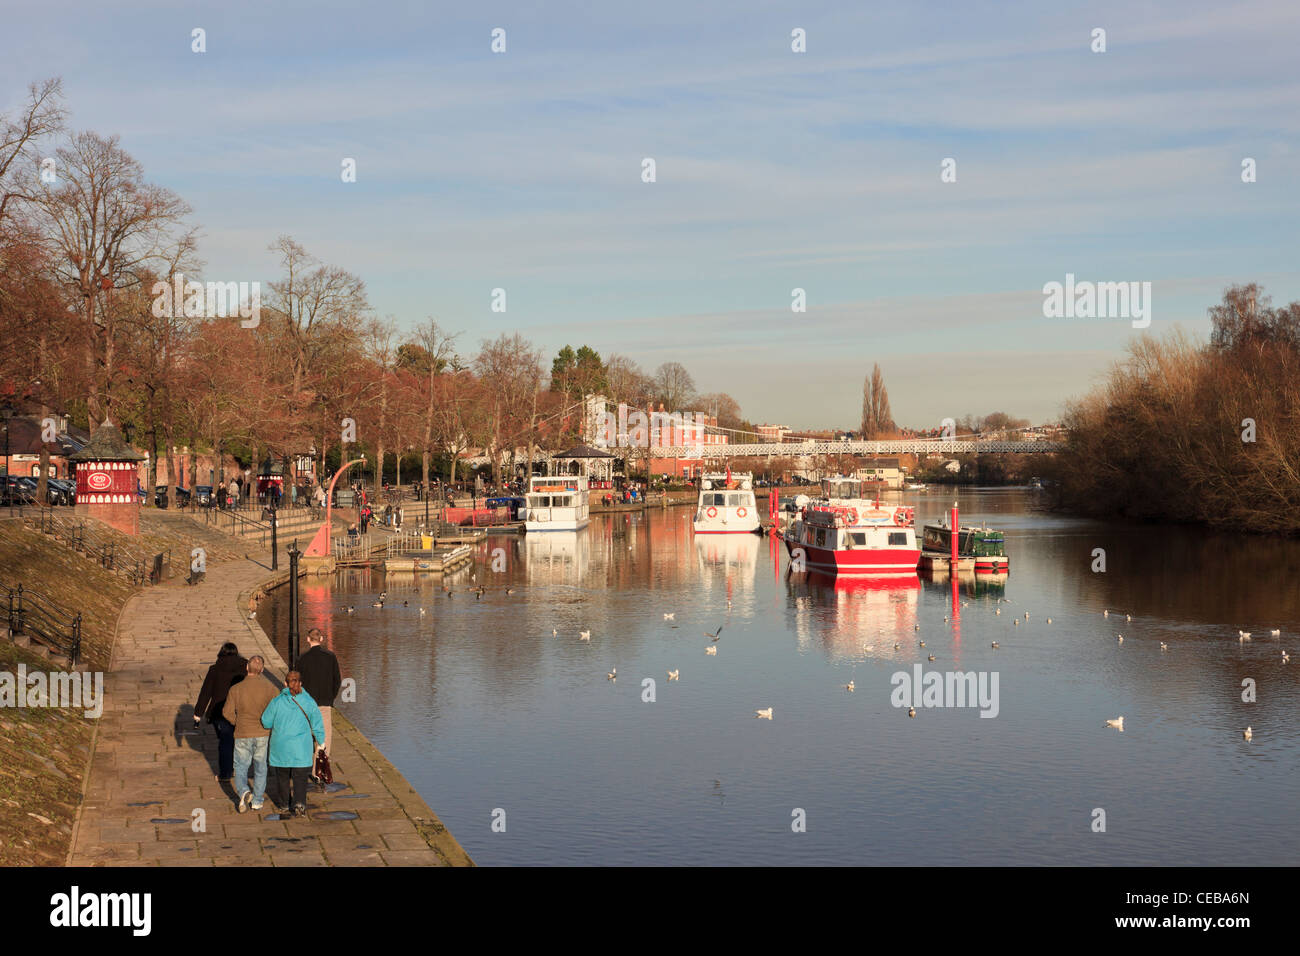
(244, 706)
(322, 679)
(401, 514)
(297, 732)
(229, 669)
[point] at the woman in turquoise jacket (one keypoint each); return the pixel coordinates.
(297, 732)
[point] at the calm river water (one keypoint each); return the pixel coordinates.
(482, 707)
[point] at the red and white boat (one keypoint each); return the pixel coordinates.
(843, 533)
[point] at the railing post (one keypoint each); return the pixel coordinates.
(16, 624)
(76, 640)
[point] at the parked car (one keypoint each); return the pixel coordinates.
(161, 498)
(60, 491)
(203, 496)
(14, 492)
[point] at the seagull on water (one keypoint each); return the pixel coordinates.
(1247, 733)
(584, 636)
(911, 711)
(711, 650)
(612, 675)
(994, 644)
(931, 657)
(675, 675)
(849, 686)
(669, 617)
(422, 612)
(1276, 633)
(1285, 657)
(1164, 646)
(922, 643)
(1243, 635)
(996, 610)
(1119, 638)
(1015, 623)
(765, 714)
(1049, 620)
(555, 632)
(1105, 613)
(1118, 722)
(1128, 617)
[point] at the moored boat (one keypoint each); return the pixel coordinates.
(557, 503)
(843, 533)
(726, 504)
(985, 545)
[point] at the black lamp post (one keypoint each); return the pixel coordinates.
(294, 555)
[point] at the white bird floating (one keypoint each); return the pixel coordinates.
(584, 635)
(931, 657)
(922, 643)
(1276, 633)
(1128, 617)
(711, 650)
(252, 615)
(897, 646)
(1105, 613)
(1119, 638)
(849, 686)
(669, 617)
(765, 714)
(1049, 620)
(555, 632)
(1015, 623)
(1026, 615)
(1243, 635)
(1285, 657)
(1118, 722)
(612, 675)
(911, 711)
(1247, 733)
(422, 612)
(996, 610)
(916, 627)
(994, 644)
(1164, 646)
(675, 675)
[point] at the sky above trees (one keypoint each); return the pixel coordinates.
(775, 171)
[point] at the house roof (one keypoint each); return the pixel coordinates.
(25, 438)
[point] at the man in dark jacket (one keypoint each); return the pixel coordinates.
(229, 669)
(322, 679)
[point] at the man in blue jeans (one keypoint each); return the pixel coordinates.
(244, 706)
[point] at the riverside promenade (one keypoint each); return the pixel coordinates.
(151, 796)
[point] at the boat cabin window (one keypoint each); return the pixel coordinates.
(715, 499)
(541, 501)
(821, 538)
(564, 501)
(898, 537)
(859, 539)
(735, 500)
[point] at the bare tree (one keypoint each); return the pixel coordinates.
(877, 420)
(110, 229)
(673, 386)
(42, 116)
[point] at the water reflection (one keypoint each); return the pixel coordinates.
(853, 616)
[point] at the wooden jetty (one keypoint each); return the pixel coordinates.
(434, 562)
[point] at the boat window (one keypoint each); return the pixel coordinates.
(735, 500)
(898, 537)
(563, 501)
(821, 538)
(860, 538)
(543, 501)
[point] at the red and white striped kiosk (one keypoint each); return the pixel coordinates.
(107, 480)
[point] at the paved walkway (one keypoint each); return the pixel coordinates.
(151, 774)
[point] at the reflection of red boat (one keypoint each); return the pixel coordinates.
(855, 583)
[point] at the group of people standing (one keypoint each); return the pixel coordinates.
(274, 733)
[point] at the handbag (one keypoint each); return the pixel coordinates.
(321, 768)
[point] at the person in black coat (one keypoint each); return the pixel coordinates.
(322, 679)
(229, 669)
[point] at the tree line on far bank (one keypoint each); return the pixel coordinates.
(1187, 431)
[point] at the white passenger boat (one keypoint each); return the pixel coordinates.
(726, 504)
(557, 503)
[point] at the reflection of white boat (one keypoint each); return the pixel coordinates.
(556, 558)
(557, 503)
(916, 487)
(726, 504)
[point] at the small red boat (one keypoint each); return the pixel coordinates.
(843, 533)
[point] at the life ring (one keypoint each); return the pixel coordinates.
(741, 512)
(900, 518)
(852, 515)
(712, 512)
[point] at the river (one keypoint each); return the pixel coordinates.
(492, 716)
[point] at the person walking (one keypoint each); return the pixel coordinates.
(244, 706)
(228, 670)
(322, 679)
(297, 732)
(232, 493)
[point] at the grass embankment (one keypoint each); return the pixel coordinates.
(44, 751)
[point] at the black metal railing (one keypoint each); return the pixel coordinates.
(33, 615)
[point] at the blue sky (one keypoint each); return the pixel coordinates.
(775, 170)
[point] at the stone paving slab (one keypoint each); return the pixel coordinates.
(147, 754)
